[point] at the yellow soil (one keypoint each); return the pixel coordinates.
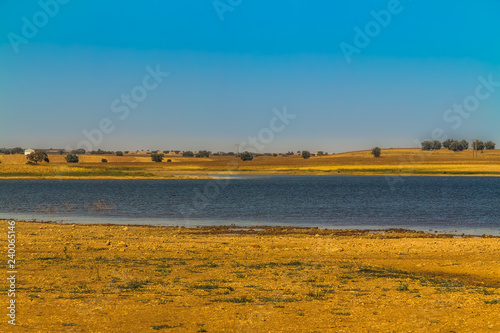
(392, 162)
(107, 278)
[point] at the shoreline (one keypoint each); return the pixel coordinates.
(257, 174)
(253, 230)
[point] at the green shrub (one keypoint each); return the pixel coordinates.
(490, 145)
(72, 158)
(246, 156)
(157, 157)
(403, 287)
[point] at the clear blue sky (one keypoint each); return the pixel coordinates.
(227, 75)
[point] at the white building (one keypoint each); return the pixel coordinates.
(28, 151)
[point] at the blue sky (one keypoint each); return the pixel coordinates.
(231, 63)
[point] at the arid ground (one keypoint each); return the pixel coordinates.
(109, 278)
(139, 165)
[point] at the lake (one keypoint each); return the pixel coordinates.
(444, 204)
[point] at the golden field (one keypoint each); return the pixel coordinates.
(392, 162)
(110, 278)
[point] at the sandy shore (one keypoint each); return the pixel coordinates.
(107, 278)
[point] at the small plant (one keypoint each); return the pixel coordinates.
(82, 288)
(495, 301)
(209, 264)
(162, 269)
(68, 324)
(104, 160)
(403, 287)
(242, 299)
(160, 327)
(134, 284)
(423, 281)
(320, 293)
(65, 250)
(236, 264)
(162, 301)
(206, 287)
(342, 313)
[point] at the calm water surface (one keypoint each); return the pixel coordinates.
(464, 204)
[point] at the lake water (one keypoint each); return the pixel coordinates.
(444, 204)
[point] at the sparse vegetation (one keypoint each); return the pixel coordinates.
(403, 287)
(495, 301)
(279, 270)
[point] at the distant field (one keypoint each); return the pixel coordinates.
(392, 162)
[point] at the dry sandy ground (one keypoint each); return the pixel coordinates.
(104, 278)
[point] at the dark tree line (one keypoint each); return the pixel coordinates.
(79, 151)
(203, 153)
(8, 151)
(100, 152)
(456, 145)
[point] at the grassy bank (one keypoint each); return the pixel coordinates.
(404, 162)
(108, 278)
